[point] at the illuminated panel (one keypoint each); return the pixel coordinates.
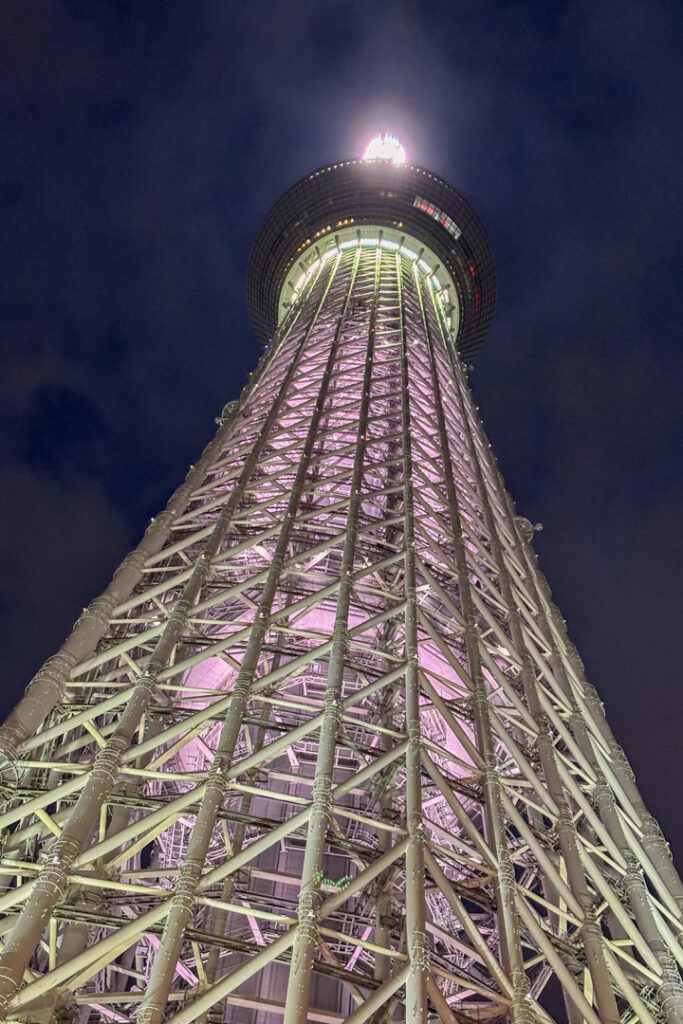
(314, 257)
(438, 215)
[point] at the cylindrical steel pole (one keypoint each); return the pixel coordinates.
(416, 917)
(306, 939)
(47, 686)
(495, 823)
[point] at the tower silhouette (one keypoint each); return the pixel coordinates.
(323, 750)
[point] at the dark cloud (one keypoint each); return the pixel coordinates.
(143, 144)
(59, 546)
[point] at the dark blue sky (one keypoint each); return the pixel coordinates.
(142, 144)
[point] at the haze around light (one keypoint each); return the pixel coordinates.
(385, 147)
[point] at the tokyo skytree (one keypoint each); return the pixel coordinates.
(323, 751)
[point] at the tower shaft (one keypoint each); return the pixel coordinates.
(323, 751)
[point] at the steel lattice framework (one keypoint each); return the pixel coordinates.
(323, 751)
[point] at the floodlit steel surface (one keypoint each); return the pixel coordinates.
(323, 751)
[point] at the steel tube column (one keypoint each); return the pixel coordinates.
(47, 686)
(306, 939)
(654, 841)
(219, 921)
(416, 922)
(591, 932)
(346, 595)
(51, 884)
(495, 822)
(153, 1007)
(670, 990)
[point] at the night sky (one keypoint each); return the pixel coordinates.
(143, 143)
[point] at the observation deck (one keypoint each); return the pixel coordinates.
(360, 193)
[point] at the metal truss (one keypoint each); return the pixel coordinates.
(322, 751)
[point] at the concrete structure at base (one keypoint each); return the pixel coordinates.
(323, 751)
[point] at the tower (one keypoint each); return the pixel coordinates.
(323, 751)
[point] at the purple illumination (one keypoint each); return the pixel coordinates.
(323, 751)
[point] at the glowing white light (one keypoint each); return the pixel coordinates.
(385, 147)
(441, 292)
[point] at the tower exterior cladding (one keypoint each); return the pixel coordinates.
(323, 751)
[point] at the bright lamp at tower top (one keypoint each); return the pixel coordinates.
(385, 147)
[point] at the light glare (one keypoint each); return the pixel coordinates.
(385, 147)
